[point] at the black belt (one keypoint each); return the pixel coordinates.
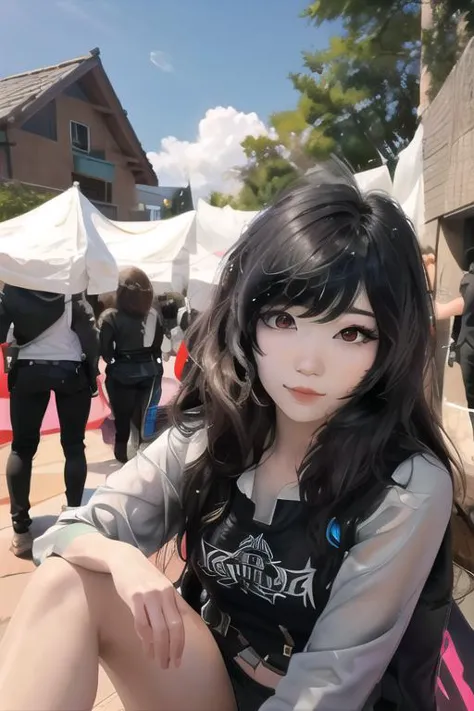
(236, 645)
(137, 358)
(68, 364)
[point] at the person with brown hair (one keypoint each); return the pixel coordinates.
(131, 335)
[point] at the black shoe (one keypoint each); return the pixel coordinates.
(120, 452)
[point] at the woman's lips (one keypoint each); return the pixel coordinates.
(304, 394)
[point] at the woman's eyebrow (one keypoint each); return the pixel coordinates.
(360, 312)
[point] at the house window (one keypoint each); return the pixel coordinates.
(80, 137)
(94, 190)
(44, 122)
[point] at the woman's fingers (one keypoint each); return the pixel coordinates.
(160, 632)
(143, 627)
(175, 625)
(159, 625)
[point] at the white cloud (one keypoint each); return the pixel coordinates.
(161, 60)
(208, 162)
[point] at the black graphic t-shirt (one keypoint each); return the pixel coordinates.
(261, 575)
(401, 555)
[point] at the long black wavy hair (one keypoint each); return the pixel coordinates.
(317, 246)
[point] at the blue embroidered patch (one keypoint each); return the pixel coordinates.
(333, 533)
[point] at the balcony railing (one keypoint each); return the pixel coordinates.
(88, 165)
(107, 209)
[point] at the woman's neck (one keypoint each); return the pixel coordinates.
(292, 439)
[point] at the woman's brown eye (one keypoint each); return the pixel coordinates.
(350, 335)
(283, 321)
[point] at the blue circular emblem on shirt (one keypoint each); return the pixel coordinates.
(333, 533)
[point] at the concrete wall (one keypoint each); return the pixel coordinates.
(448, 153)
(448, 149)
(42, 161)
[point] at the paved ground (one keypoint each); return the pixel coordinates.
(47, 498)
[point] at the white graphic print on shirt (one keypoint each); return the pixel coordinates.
(253, 569)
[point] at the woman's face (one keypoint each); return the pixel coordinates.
(309, 369)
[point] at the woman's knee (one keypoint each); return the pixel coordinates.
(56, 578)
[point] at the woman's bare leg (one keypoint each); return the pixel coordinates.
(67, 619)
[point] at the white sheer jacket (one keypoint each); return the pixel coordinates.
(373, 596)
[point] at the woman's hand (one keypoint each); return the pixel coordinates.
(155, 605)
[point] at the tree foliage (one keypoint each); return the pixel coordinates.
(359, 96)
(16, 199)
(443, 44)
(267, 172)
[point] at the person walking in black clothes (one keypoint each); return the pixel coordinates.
(55, 349)
(465, 341)
(131, 335)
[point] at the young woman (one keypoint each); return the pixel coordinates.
(131, 335)
(55, 349)
(312, 485)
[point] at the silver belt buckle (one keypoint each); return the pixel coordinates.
(250, 657)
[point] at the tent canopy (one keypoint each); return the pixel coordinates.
(67, 246)
(57, 248)
(160, 248)
(217, 228)
(408, 184)
(375, 179)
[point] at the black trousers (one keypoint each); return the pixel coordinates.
(30, 390)
(466, 360)
(128, 403)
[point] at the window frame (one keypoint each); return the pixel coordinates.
(78, 123)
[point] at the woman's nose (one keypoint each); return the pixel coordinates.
(310, 362)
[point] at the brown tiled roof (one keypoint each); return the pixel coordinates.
(18, 91)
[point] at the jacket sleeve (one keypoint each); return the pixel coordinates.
(84, 325)
(159, 333)
(107, 337)
(140, 504)
(373, 596)
(5, 319)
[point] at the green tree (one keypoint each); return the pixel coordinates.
(217, 199)
(359, 96)
(268, 171)
(443, 44)
(16, 199)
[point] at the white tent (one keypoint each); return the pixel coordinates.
(375, 179)
(408, 186)
(56, 247)
(67, 245)
(161, 248)
(204, 272)
(218, 228)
